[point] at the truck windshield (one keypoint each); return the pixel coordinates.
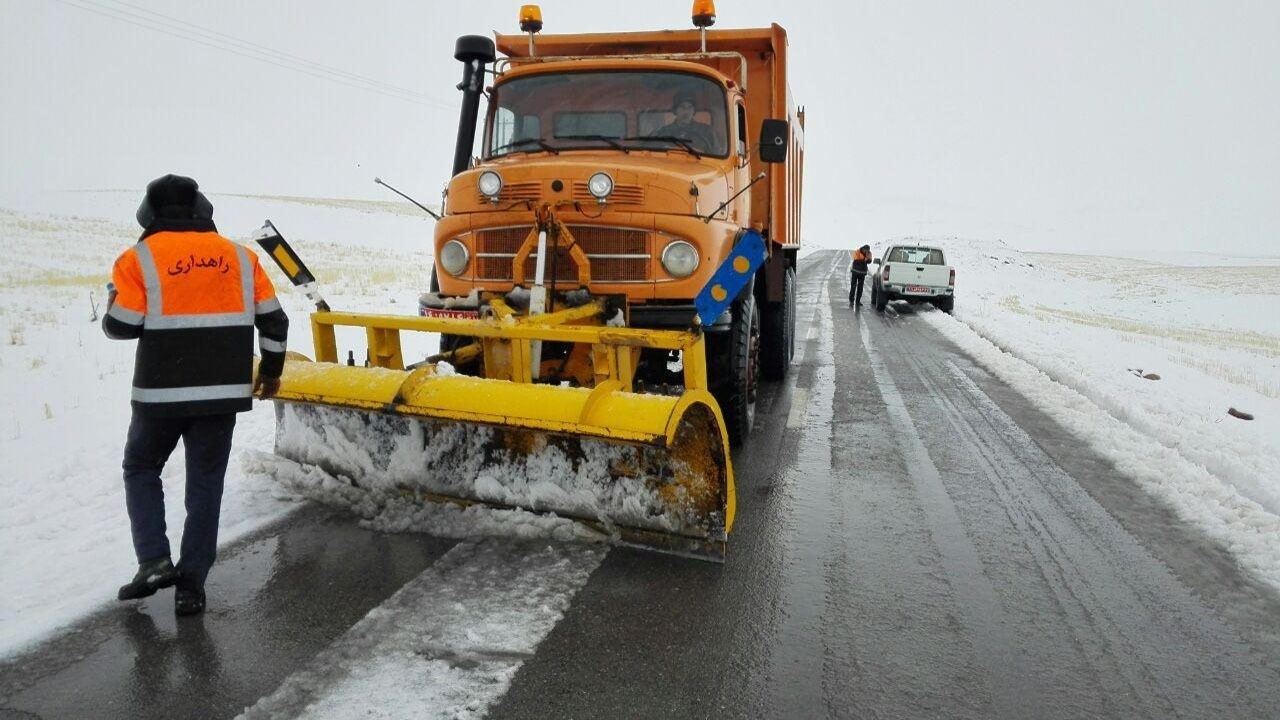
(668, 111)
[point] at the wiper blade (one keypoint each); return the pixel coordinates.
(671, 138)
(527, 141)
(603, 138)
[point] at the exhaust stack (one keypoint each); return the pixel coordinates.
(474, 52)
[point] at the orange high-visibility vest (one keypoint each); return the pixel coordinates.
(193, 299)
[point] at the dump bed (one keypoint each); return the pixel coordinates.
(754, 59)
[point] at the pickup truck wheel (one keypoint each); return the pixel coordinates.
(880, 300)
(780, 330)
(735, 359)
(946, 304)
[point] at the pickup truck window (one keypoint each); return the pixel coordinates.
(663, 111)
(917, 256)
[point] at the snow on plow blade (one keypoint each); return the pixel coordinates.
(649, 470)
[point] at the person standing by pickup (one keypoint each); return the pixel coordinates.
(861, 259)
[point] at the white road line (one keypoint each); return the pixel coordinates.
(814, 317)
(447, 644)
(799, 406)
(817, 324)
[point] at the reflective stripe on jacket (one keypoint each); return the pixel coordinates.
(193, 299)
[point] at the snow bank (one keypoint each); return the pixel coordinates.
(1076, 334)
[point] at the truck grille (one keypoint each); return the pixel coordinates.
(516, 192)
(622, 194)
(616, 254)
(533, 190)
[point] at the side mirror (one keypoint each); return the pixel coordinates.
(774, 135)
(876, 261)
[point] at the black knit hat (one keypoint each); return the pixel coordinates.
(174, 197)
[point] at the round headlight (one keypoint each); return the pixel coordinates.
(454, 257)
(680, 259)
(490, 183)
(600, 185)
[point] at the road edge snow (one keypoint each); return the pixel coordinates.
(1242, 526)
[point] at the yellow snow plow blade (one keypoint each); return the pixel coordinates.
(648, 469)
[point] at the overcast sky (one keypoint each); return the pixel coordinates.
(1123, 126)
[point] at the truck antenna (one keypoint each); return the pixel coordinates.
(425, 209)
(725, 204)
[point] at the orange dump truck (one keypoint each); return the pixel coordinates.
(613, 276)
(655, 152)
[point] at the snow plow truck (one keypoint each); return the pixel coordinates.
(614, 275)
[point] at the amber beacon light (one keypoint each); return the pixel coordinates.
(530, 18)
(704, 13)
(531, 22)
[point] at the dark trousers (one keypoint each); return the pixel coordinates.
(855, 287)
(207, 440)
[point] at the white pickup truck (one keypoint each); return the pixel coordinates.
(915, 273)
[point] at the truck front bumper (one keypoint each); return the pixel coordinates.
(674, 317)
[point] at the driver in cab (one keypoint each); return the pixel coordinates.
(684, 127)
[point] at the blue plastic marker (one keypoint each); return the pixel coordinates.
(729, 279)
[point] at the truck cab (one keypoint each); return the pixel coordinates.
(641, 191)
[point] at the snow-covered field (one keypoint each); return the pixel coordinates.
(1143, 360)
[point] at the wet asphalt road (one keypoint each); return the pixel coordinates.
(914, 540)
(275, 600)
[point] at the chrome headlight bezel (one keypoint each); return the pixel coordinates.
(600, 185)
(449, 259)
(493, 181)
(671, 256)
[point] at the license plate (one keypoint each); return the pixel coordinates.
(917, 289)
(442, 313)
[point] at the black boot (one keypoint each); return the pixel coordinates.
(152, 575)
(188, 602)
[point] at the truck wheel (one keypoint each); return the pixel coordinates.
(736, 362)
(880, 300)
(946, 304)
(779, 331)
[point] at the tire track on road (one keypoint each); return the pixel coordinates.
(996, 648)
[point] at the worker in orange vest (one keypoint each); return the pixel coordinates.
(191, 298)
(861, 259)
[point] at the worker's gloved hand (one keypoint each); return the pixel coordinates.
(266, 386)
